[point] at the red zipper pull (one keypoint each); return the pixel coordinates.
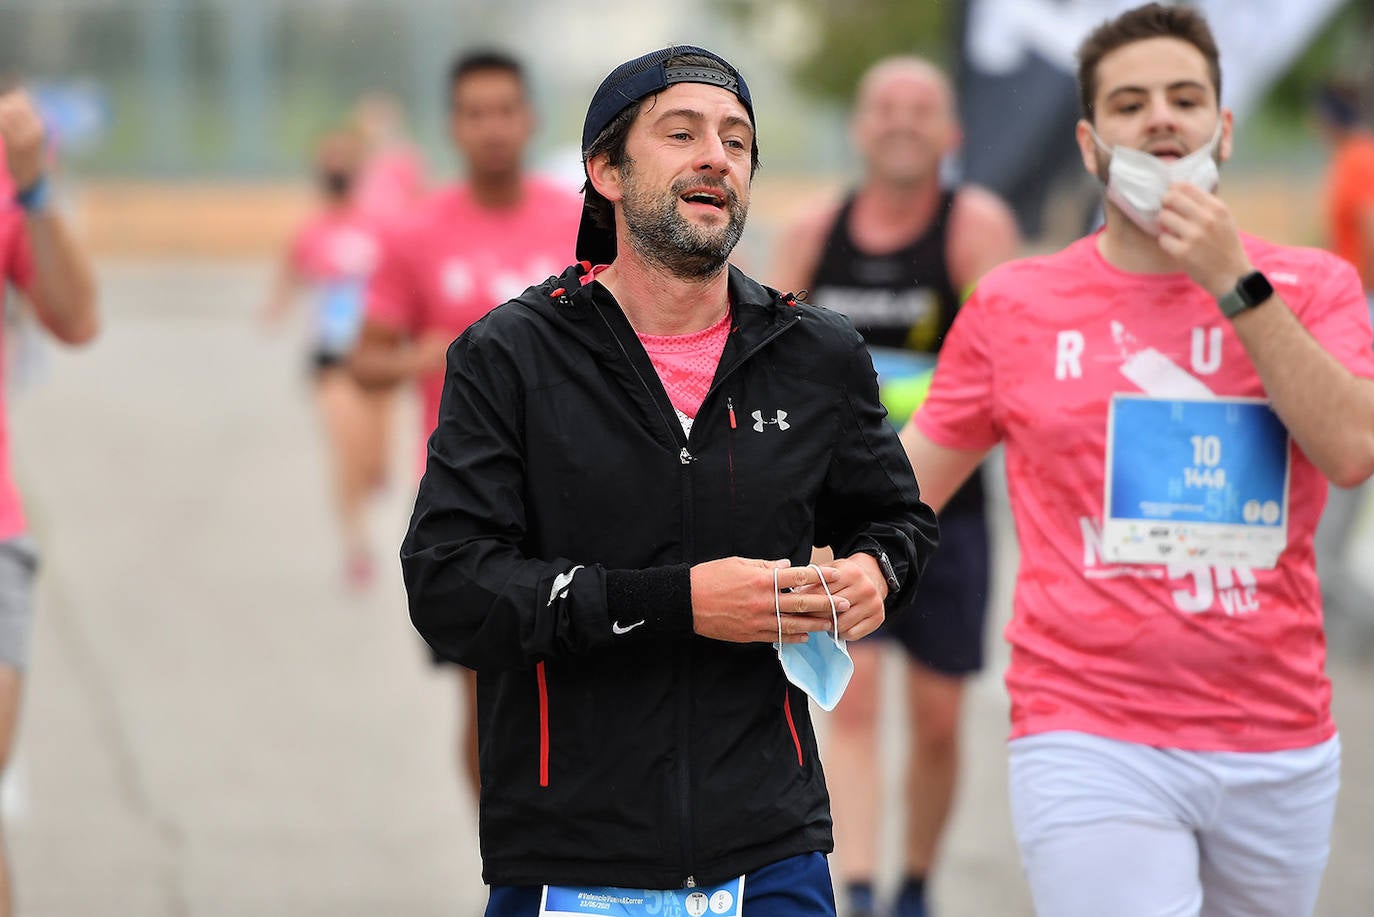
(730, 406)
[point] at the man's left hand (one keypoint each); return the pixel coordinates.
(860, 581)
(1197, 229)
(21, 130)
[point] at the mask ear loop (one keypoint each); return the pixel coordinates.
(1098, 140)
(834, 612)
(777, 606)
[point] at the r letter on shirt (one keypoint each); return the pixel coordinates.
(1066, 358)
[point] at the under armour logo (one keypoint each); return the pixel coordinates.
(780, 420)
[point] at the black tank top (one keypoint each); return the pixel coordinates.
(900, 300)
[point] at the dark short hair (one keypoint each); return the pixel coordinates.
(1339, 102)
(1153, 20)
(483, 60)
(613, 138)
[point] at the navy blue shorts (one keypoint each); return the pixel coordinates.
(944, 629)
(798, 886)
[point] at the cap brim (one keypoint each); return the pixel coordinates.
(594, 244)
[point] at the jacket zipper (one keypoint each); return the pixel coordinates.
(730, 450)
(787, 711)
(684, 690)
(543, 724)
(683, 655)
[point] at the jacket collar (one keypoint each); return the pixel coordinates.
(757, 308)
(590, 315)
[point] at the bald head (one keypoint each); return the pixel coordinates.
(904, 120)
(912, 70)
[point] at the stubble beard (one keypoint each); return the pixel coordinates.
(662, 236)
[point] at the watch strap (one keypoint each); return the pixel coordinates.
(37, 197)
(1250, 291)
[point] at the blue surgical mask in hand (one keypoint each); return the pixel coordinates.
(821, 666)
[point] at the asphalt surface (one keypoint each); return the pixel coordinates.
(214, 725)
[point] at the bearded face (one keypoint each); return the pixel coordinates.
(675, 228)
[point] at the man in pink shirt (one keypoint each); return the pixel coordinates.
(472, 246)
(1173, 397)
(39, 257)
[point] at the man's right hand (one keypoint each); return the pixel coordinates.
(22, 133)
(732, 599)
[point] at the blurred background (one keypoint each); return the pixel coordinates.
(213, 724)
(178, 105)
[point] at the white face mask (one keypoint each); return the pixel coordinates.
(1137, 180)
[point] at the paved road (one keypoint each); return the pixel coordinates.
(215, 727)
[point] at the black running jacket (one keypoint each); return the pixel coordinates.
(560, 511)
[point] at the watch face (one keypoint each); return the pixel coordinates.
(1254, 288)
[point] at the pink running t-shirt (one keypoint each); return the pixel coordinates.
(1181, 655)
(336, 245)
(16, 269)
(686, 363)
(390, 184)
(454, 261)
(336, 252)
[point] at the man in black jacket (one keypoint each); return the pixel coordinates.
(628, 462)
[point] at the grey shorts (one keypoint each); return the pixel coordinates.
(18, 564)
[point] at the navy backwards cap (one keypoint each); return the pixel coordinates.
(626, 85)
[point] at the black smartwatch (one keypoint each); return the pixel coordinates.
(1251, 290)
(894, 585)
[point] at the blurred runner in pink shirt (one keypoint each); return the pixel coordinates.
(38, 257)
(331, 256)
(472, 246)
(1173, 397)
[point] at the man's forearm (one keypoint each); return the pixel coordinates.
(1328, 410)
(63, 289)
(381, 369)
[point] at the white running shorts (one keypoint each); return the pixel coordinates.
(1117, 828)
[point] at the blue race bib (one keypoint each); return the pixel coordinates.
(724, 900)
(1195, 481)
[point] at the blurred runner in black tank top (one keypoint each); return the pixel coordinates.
(898, 255)
(902, 301)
